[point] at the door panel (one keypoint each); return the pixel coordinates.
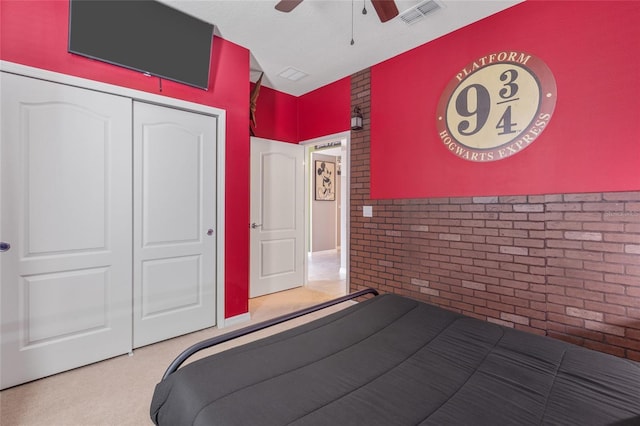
(47, 181)
(174, 208)
(169, 285)
(277, 257)
(51, 314)
(171, 191)
(66, 211)
(277, 209)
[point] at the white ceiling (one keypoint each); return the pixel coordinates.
(315, 37)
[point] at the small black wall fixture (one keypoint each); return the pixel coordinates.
(356, 119)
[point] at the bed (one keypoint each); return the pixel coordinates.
(390, 360)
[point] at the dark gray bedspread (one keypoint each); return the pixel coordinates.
(394, 361)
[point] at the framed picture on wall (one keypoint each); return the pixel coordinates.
(325, 180)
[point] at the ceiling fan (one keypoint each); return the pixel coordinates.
(386, 9)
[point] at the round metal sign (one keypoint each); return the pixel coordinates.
(496, 106)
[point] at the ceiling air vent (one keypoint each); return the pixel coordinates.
(419, 11)
(292, 74)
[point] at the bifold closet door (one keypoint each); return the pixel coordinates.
(174, 222)
(65, 221)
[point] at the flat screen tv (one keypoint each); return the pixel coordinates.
(143, 35)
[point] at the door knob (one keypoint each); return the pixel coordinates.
(4, 246)
(210, 232)
(255, 225)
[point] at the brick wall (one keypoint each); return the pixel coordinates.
(565, 265)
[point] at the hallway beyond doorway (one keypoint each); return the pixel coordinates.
(325, 274)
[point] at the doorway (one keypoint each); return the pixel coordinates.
(279, 261)
(327, 218)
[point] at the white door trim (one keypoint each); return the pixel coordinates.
(345, 196)
(69, 80)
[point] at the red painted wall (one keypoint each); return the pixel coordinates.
(325, 111)
(34, 33)
(321, 112)
(276, 115)
(592, 142)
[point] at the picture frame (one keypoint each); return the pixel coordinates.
(325, 180)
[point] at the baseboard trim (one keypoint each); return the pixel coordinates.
(238, 319)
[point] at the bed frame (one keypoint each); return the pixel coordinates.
(390, 360)
(208, 343)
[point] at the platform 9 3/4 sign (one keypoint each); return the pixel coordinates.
(496, 106)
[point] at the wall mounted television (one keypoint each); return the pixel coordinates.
(143, 35)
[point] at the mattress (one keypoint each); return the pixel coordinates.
(395, 361)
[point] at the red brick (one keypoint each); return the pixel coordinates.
(623, 342)
(565, 319)
(605, 307)
(539, 226)
(498, 289)
(564, 244)
(564, 300)
(595, 336)
(632, 270)
(584, 313)
(603, 226)
(562, 207)
(603, 247)
(621, 258)
(517, 319)
(529, 242)
(565, 282)
(567, 338)
(531, 296)
(515, 301)
(553, 308)
(583, 217)
(621, 196)
(582, 197)
(530, 260)
(604, 328)
(622, 300)
(565, 262)
(584, 274)
(585, 255)
(583, 236)
(531, 207)
(585, 294)
(604, 267)
(520, 285)
(632, 248)
(621, 279)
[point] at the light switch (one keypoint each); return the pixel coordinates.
(367, 211)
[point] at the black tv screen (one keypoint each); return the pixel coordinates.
(142, 35)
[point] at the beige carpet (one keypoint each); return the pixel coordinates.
(118, 391)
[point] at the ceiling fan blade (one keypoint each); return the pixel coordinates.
(386, 9)
(287, 5)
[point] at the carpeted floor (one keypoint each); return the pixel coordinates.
(118, 391)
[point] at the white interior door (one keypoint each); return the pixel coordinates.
(174, 219)
(65, 284)
(277, 212)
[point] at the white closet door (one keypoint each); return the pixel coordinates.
(65, 285)
(174, 218)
